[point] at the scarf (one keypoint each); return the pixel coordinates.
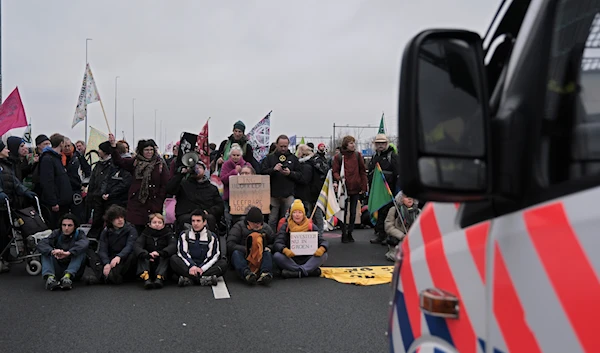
(63, 159)
(255, 251)
(143, 171)
(230, 141)
(302, 227)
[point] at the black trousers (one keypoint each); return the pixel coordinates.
(125, 270)
(381, 215)
(159, 266)
(181, 269)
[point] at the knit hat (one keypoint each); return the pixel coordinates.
(255, 215)
(13, 143)
(105, 147)
(2, 146)
(239, 125)
(297, 206)
(201, 163)
(40, 139)
(321, 144)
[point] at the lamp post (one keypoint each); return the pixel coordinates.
(116, 81)
(133, 108)
(86, 63)
(155, 110)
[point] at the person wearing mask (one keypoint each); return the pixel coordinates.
(250, 246)
(283, 168)
(240, 138)
(292, 265)
(349, 170)
(153, 250)
(198, 259)
(147, 192)
(63, 254)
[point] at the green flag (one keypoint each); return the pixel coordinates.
(381, 125)
(302, 141)
(379, 194)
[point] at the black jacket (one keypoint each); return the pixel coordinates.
(76, 244)
(238, 235)
(163, 241)
(283, 240)
(116, 243)
(116, 185)
(191, 195)
(99, 174)
(281, 185)
(303, 187)
(390, 166)
(54, 180)
(11, 186)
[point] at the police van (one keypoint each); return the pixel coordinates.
(501, 135)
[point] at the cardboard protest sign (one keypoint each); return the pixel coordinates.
(246, 191)
(304, 243)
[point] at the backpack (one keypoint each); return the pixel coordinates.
(30, 221)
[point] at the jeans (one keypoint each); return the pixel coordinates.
(318, 220)
(181, 269)
(279, 206)
(286, 263)
(74, 266)
(239, 262)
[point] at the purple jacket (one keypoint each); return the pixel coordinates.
(229, 170)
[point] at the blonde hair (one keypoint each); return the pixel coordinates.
(235, 146)
(303, 150)
(156, 215)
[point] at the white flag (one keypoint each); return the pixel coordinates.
(327, 201)
(27, 134)
(88, 94)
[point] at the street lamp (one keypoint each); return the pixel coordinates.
(86, 63)
(155, 110)
(116, 80)
(133, 107)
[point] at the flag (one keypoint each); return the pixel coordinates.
(12, 113)
(169, 148)
(87, 95)
(260, 137)
(327, 201)
(27, 134)
(381, 125)
(203, 148)
(95, 138)
(216, 181)
(379, 194)
(186, 144)
(293, 140)
(302, 141)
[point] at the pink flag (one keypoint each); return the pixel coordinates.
(12, 113)
(203, 148)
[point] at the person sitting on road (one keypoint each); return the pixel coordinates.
(63, 254)
(298, 266)
(194, 191)
(249, 245)
(153, 249)
(394, 228)
(198, 259)
(115, 248)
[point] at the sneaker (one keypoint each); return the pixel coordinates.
(184, 281)
(51, 283)
(315, 273)
(148, 284)
(66, 283)
(265, 278)
(291, 274)
(250, 277)
(208, 280)
(4, 266)
(158, 283)
(378, 239)
(390, 255)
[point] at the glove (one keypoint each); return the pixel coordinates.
(320, 251)
(30, 194)
(289, 253)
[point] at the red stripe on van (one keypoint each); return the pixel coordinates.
(477, 236)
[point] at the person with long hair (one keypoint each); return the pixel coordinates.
(153, 249)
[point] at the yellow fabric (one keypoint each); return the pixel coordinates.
(255, 251)
(304, 226)
(320, 251)
(287, 252)
(362, 276)
(297, 206)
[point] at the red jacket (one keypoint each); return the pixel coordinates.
(354, 171)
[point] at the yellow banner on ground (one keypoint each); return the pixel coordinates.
(362, 276)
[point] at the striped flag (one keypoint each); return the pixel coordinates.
(327, 201)
(88, 94)
(379, 194)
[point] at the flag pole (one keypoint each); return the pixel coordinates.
(105, 119)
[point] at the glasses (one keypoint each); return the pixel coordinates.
(68, 225)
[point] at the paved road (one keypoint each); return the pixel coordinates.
(308, 315)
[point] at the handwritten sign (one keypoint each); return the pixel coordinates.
(304, 243)
(246, 191)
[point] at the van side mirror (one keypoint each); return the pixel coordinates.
(444, 126)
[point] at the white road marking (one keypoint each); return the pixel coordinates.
(220, 291)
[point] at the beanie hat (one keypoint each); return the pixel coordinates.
(239, 125)
(13, 143)
(2, 146)
(40, 139)
(105, 147)
(297, 206)
(321, 144)
(255, 215)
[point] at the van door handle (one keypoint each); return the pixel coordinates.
(439, 303)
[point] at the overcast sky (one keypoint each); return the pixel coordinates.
(314, 63)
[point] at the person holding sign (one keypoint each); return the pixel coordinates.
(233, 166)
(249, 245)
(300, 251)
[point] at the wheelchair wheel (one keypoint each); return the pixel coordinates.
(34, 267)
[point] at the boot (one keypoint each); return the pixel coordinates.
(344, 234)
(379, 238)
(350, 238)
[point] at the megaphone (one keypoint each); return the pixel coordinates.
(190, 159)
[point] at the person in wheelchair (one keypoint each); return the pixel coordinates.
(63, 254)
(193, 191)
(14, 191)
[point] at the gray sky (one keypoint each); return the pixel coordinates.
(314, 63)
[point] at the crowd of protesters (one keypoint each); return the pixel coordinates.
(123, 195)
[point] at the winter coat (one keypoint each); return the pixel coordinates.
(282, 186)
(227, 171)
(54, 180)
(99, 174)
(116, 185)
(11, 186)
(116, 242)
(354, 171)
(283, 241)
(239, 233)
(199, 249)
(393, 224)
(162, 241)
(138, 212)
(247, 152)
(321, 167)
(390, 166)
(73, 166)
(303, 186)
(76, 244)
(191, 195)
